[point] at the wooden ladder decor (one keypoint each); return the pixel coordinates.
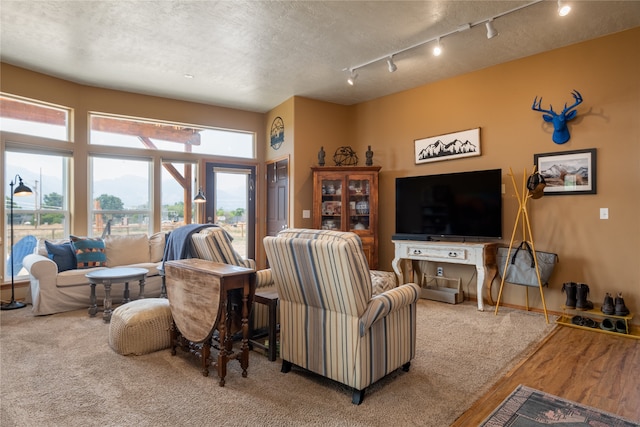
(522, 219)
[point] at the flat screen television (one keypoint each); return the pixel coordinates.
(455, 206)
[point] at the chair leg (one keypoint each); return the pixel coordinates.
(406, 366)
(286, 366)
(358, 396)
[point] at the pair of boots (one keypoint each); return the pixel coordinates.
(577, 296)
(619, 309)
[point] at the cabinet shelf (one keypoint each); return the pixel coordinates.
(569, 313)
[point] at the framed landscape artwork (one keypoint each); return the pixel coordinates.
(450, 146)
(568, 172)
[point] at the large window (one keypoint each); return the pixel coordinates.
(178, 190)
(120, 196)
(43, 214)
(34, 118)
(151, 135)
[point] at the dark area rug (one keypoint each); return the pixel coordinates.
(527, 407)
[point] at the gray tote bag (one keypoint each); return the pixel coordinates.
(522, 268)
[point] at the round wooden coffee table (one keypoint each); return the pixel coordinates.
(109, 276)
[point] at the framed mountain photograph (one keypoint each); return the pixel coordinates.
(567, 172)
(446, 147)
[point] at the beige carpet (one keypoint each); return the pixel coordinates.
(60, 371)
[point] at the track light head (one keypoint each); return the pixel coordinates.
(392, 66)
(491, 30)
(437, 50)
(563, 8)
(352, 78)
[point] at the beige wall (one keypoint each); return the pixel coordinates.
(605, 254)
(318, 124)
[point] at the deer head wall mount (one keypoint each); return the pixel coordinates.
(560, 130)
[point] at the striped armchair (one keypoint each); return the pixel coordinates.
(214, 244)
(330, 322)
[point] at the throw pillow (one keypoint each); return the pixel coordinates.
(126, 249)
(89, 251)
(62, 254)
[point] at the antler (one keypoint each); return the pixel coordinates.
(577, 97)
(536, 106)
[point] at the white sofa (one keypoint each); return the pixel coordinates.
(54, 292)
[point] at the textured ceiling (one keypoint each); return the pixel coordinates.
(253, 55)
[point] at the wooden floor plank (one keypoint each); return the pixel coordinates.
(595, 369)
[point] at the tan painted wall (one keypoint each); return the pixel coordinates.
(318, 124)
(602, 253)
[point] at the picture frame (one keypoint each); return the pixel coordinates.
(568, 172)
(454, 145)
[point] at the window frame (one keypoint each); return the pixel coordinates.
(12, 144)
(153, 128)
(149, 212)
(29, 106)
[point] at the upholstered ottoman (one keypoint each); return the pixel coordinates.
(141, 326)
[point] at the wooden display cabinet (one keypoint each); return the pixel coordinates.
(345, 198)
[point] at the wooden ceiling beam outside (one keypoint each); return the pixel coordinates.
(35, 113)
(184, 135)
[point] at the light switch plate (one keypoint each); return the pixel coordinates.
(306, 213)
(604, 213)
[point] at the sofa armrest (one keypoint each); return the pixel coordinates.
(264, 278)
(41, 267)
(387, 302)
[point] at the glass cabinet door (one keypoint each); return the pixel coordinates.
(331, 204)
(359, 203)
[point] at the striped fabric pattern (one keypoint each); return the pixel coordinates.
(213, 244)
(329, 322)
(380, 280)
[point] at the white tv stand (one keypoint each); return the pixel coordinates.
(482, 255)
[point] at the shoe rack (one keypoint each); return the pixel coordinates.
(596, 314)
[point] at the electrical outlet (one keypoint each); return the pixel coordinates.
(440, 272)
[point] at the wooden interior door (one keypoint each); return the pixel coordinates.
(277, 196)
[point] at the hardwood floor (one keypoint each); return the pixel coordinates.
(592, 368)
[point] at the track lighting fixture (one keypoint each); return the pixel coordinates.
(391, 64)
(491, 30)
(563, 8)
(437, 50)
(352, 77)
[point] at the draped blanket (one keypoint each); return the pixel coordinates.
(178, 244)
